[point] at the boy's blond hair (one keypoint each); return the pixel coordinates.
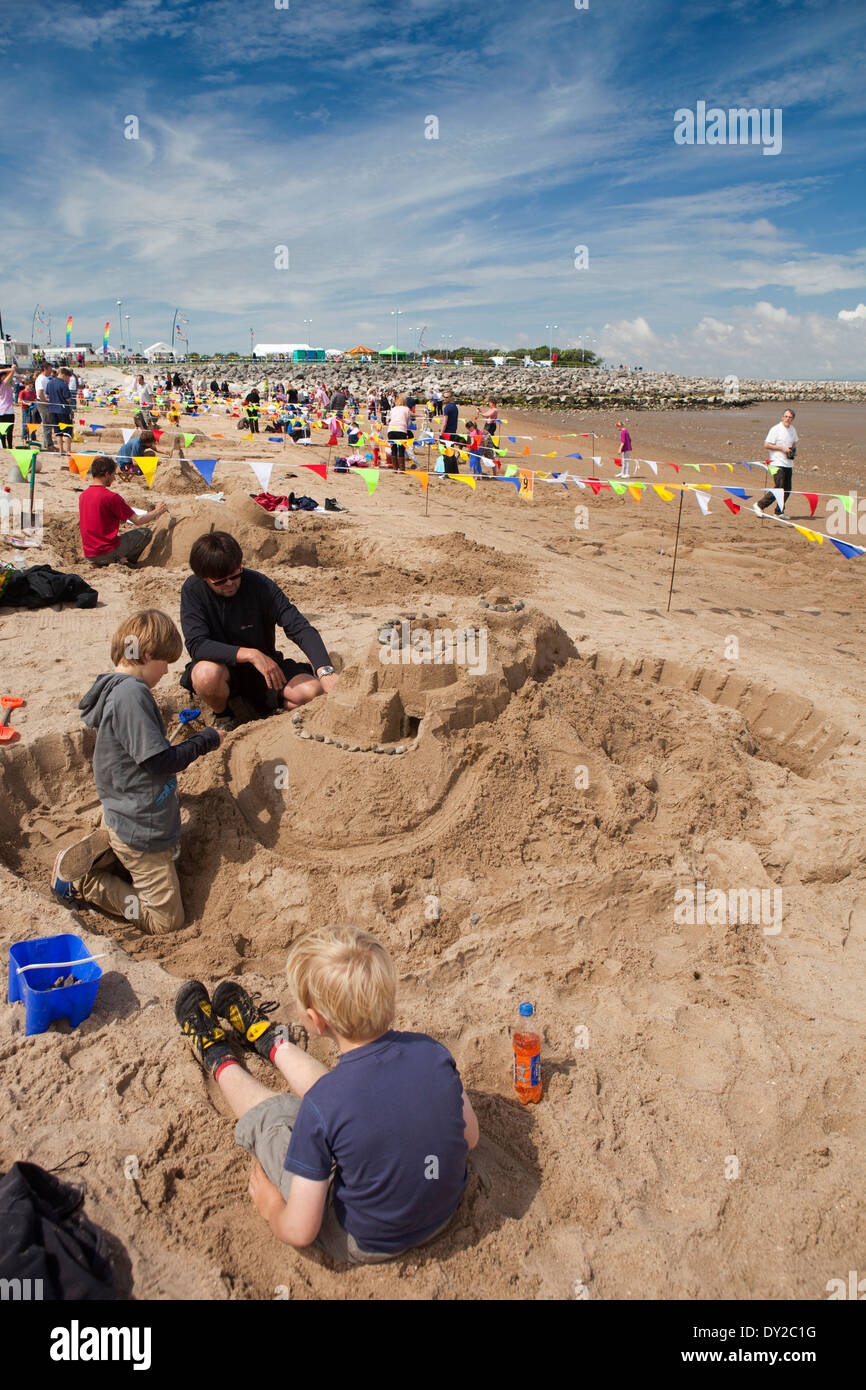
(148, 632)
(347, 976)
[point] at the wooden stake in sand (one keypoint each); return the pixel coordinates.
(676, 546)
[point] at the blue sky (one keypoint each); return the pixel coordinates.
(304, 127)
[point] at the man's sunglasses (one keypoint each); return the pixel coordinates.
(229, 579)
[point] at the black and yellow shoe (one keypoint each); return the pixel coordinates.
(250, 1021)
(194, 1012)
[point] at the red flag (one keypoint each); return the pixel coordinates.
(319, 468)
(673, 465)
(733, 505)
(812, 499)
(594, 484)
(332, 440)
(157, 434)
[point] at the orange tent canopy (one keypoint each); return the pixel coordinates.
(360, 352)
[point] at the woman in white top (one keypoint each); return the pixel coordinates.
(399, 422)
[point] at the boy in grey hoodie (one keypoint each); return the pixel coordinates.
(134, 768)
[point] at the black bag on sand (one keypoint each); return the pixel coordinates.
(45, 1236)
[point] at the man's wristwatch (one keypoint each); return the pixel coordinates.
(326, 671)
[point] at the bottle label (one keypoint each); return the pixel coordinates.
(527, 1070)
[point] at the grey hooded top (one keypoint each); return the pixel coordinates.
(139, 805)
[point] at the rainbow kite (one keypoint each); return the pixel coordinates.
(105, 340)
(69, 331)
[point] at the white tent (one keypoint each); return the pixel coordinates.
(160, 352)
(279, 349)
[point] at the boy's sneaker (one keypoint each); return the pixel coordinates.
(225, 722)
(73, 862)
(66, 892)
(250, 1021)
(194, 1012)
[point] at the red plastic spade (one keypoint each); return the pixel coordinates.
(9, 703)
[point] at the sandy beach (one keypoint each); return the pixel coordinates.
(670, 1047)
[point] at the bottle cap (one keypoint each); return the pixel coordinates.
(526, 1011)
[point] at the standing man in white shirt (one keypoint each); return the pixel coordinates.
(144, 396)
(782, 444)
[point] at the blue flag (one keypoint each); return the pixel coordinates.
(205, 467)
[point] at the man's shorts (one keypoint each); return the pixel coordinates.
(250, 684)
(265, 1132)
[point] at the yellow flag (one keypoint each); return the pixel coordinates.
(147, 463)
(810, 535)
(462, 478)
(664, 493)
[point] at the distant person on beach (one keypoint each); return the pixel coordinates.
(135, 769)
(491, 419)
(252, 401)
(144, 396)
(448, 433)
(101, 513)
(56, 393)
(782, 443)
(7, 407)
(624, 448)
(399, 424)
(29, 412)
(229, 615)
(366, 1160)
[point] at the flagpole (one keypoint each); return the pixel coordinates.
(676, 546)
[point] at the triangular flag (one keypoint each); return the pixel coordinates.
(636, 491)
(24, 458)
(525, 451)
(511, 470)
(80, 463)
(740, 492)
(812, 499)
(702, 501)
(157, 434)
(371, 478)
(7, 425)
(262, 469)
(844, 498)
(462, 478)
(574, 456)
(31, 429)
(187, 440)
(147, 463)
(849, 551)
(674, 466)
(332, 439)
(779, 494)
(663, 492)
(734, 506)
(127, 435)
(810, 535)
(649, 463)
(319, 468)
(205, 467)
(423, 478)
(617, 487)
(515, 481)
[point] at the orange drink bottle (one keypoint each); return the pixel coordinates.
(527, 1058)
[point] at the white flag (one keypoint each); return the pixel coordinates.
(703, 501)
(262, 470)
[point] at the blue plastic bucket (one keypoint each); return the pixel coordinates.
(33, 988)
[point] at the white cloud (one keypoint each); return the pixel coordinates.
(851, 315)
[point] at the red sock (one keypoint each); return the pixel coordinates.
(222, 1064)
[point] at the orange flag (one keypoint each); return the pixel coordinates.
(525, 450)
(80, 463)
(423, 478)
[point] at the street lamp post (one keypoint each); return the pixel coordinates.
(395, 314)
(548, 327)
(120, 321)
(128, 338)
(308, 323)
(173, 324)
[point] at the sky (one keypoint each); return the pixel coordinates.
(306, 169)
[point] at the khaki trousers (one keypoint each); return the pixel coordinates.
(151, 902)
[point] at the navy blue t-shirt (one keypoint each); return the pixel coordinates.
(449, 424)
(390, 1116)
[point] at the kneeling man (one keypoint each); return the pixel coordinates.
(228, 615)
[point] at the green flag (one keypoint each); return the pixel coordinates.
(24, 458)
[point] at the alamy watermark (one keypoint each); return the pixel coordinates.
(16, 517)
(736, 126)
(713, 907)
(421, 646)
